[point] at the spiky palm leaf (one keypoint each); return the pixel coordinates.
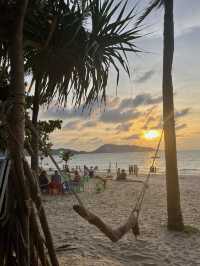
(76, 59)
(64, 56)
(154, 4)
(55, 63)
(109, 41)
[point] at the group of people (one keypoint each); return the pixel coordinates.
(89, 171)
(133, 170)
(86, 170)
(54, 185)
(122, 175)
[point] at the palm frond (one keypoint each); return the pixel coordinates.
(154, 4)
(77, 61)
(110, 40)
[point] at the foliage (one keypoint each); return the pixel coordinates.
(154, 4)
(66, 156)
(46, 128)
(65, 56)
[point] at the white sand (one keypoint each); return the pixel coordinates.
(86, 246)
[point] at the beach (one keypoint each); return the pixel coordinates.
(80, 244)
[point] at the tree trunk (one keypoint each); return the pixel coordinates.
(34, 138)
(16, 119)
(175, 220)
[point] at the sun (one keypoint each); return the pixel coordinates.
(151, 134)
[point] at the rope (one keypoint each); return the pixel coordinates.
(140, 198)
(60, 172)
(48, 152)
(141, 195)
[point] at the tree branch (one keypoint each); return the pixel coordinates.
(113, 234)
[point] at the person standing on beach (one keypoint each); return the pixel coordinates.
(129, 169)
(91, 172)
(43, 181)
(55, 185)
(136, 169)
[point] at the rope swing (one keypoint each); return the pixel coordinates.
(131, 223)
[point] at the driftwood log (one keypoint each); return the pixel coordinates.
(113, 234)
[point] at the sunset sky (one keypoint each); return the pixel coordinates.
(137, 107)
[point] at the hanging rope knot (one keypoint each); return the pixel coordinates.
(135, 227)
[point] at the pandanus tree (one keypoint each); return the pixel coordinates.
(175, 220)
(65, 57)
(12, 24)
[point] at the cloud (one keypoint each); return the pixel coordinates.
(141, 99)
(181, 126)
(82, 112)
(146, 76)
(116, 116)
(95, 140)
(159, 125)
(182, 113)
(123, 127)
(72, 125)
(113, 102)
(114, 108)
(149, 120)
(132, 137)
(74, 140)
(89, 124)
(64, 113)
(55, 111)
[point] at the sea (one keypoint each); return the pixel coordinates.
(188, 161)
